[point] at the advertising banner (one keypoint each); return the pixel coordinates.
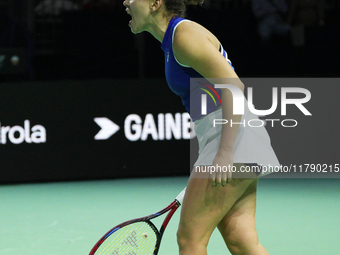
(75, 130)
(78, 130)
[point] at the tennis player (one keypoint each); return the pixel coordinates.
(212, 199)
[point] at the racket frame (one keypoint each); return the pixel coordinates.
(172, 208)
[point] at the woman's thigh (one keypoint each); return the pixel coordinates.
(204, 206)
(238, 226)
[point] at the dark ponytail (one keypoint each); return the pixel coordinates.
(179, 7)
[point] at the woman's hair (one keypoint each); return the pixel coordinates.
(179, 7)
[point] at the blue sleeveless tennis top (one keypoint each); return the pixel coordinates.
(178, 77)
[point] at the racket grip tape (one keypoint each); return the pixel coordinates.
(180, 196)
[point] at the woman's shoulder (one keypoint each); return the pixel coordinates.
(189, 26)
(191, 32)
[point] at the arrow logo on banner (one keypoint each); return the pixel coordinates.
(108, 128)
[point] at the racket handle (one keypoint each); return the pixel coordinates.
(180, 197)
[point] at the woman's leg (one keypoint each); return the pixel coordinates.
(238, 226)
(204, 207)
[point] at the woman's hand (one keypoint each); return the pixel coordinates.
(223, 164)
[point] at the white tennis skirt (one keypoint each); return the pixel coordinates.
(252, 145)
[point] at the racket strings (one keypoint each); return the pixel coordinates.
(137, 238)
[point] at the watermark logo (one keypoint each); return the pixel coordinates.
(288, 96)
(204, 98)
(238, 100)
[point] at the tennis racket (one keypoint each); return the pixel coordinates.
(138, 236)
